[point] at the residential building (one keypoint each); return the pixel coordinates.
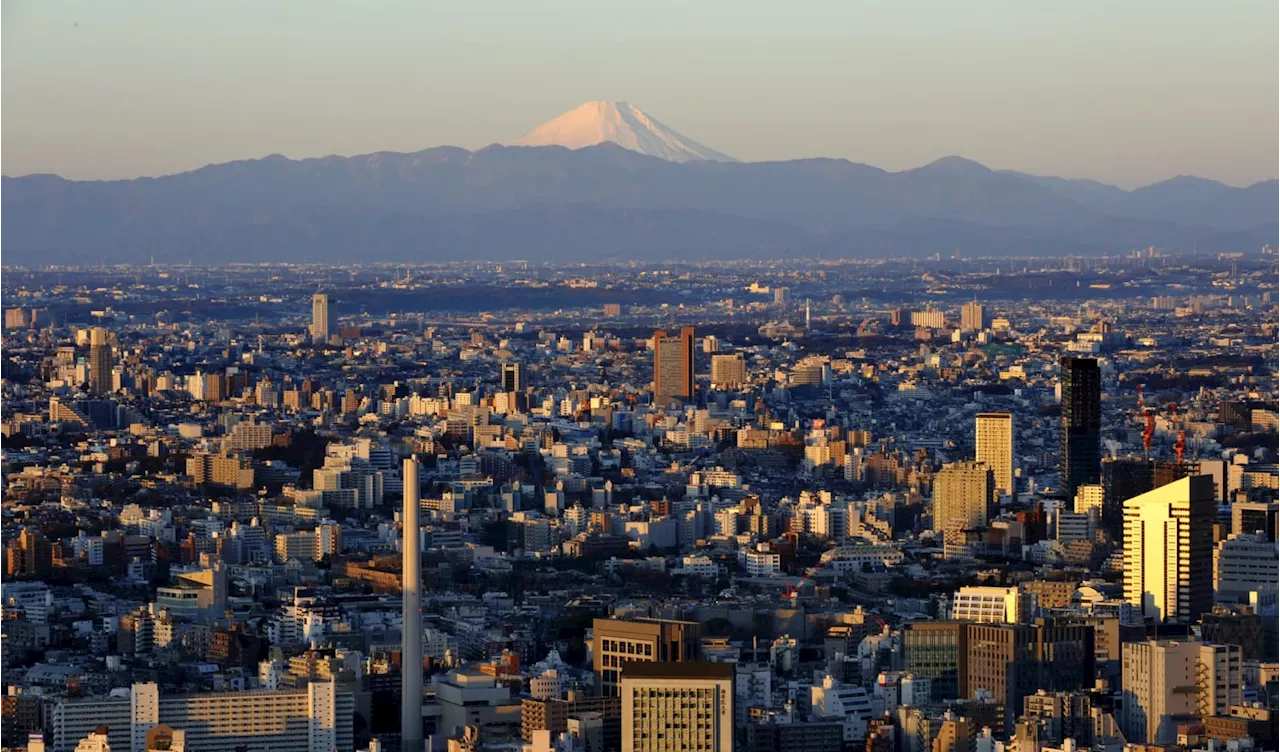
(673, 366)
(993, 438)
(1168, 544)
(1080, 446)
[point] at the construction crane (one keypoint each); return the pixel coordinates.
(1149, 429)
(1180, 445)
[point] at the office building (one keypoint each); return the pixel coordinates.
(1244, 563)
(988, 605)
(1255, 517)
(512, 377)
(321, 317)
(1168, 550)
(993, 440)
(973, 317)
(963, 493)
(1012, 661)
(728, 372)
(677, 707)
(615, 642)
(1126, 477)
(1081, 450)
(938, 651)
(673, 369)
(100, 362)
(1160, 689)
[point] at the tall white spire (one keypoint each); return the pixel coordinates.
(411, 629)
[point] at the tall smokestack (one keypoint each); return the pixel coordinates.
(411, 631)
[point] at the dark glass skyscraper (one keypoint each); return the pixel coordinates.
(1081, 423)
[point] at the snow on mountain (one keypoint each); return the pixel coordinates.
(625, 125)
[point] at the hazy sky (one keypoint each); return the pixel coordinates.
(1128, 91)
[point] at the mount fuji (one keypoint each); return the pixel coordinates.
(626, 125)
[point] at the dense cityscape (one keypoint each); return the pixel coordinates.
(908, 505)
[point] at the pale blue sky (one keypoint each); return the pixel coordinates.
(1128, 91)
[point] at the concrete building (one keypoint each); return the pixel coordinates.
(616, 642)
(1244, 563)
(1011, 661)
(315, 719)
(993, 440)
(1219, 685)
(728, 372)
(963, 493)
(677, 707)
(973, 317)
(321, 317)
(1160, 689)
(673, 369)
(1168, 544)
(472, 698)
(988, 605)
(100, 361)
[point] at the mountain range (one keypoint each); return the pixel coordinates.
(585, 189)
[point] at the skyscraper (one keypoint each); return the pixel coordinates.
(321, 317)
(962, 496)
(512, 377)
(411, 632)
(1081, 423)
(1168, 550)
(973, 317)
(100, 361)
(993, 436)
(672, 366)
(677, 707)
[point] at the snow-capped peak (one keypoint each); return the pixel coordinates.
(627, 126)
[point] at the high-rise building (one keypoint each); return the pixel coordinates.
(993, 437)
(615, 642)
(1168, 550)
(963, 493)
(677, 707)
(1160, 689)
(673, 369)
(321, 317)
(512, 377)
(1081, 423)
(938, 651)
(973, 317)
(1012, 661)
(100, 361)
(728, 371)
(411, 734)
(1126, 477)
